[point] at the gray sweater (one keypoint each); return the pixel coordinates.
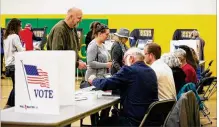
(97, 58)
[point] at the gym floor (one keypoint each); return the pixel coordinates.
(6, 86)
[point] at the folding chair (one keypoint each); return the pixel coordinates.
(211, 89)
(208, 81)
(157, 113)
(205, 72)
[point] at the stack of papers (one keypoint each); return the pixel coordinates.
(84, 94)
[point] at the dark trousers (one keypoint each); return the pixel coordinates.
(103, 115)
(11, 99)
(2, 56)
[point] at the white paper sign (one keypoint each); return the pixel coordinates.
(44, 80)
(195, 44)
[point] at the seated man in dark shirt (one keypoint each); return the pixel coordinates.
(138, 85)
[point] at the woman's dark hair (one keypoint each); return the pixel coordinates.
(13, 27)
(93, 24)
(99, 28)
(194, 55)
(189, 56)
(93, 27)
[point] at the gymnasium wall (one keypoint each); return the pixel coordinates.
(163, 16)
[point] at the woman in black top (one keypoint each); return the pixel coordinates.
(118, 49)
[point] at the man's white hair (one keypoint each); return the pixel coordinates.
(137, 53)
(171, 60)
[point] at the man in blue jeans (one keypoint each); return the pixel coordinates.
(138, 85)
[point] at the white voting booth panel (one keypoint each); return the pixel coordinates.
(108, 44)
(141, 43)
(44, 81)
(195, 44)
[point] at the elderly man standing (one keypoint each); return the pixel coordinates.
(138, 89)
(63, 36)
(166, 85)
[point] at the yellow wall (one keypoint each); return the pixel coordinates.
(164, 27)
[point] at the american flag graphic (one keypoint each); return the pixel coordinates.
(36, 76)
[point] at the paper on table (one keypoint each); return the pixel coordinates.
(79, 98)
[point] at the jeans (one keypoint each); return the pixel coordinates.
(11, 99)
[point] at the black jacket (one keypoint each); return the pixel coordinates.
(117, 54)
(88, 39)
(179, 78)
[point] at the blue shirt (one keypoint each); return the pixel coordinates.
(138, 88)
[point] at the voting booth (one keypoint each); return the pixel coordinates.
(183, 34)
(195, 44)
(45, 80)
(141, 43)
(40, 33)
(139, 37)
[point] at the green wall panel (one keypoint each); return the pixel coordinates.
(33, 22)
(85, 24)
(49, 23)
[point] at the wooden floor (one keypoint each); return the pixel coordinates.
(6, 86)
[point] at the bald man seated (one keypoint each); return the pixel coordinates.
(137, 83)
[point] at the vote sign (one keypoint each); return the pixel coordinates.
(39, 81)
